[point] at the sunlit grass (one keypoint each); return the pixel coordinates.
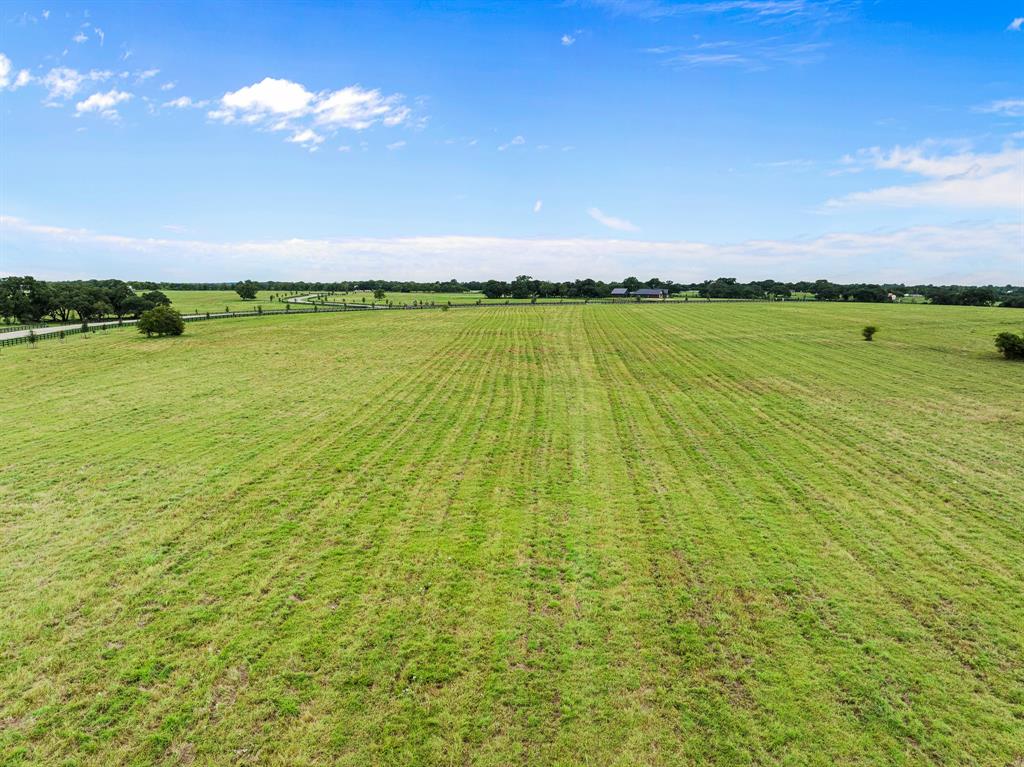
(703, 534)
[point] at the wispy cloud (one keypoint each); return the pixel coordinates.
(568, 40)
(940, 254)
(748, 10)
(396, 145)
(754, 54)
(537, 206)
(1006, 107)
(612, 222)
(1016, 24)
(779, 164)
(185, 102)
(960, 178)
(517, 141)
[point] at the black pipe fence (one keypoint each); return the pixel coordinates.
(310, 307)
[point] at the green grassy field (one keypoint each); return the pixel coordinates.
(199, 301)
(609, 535)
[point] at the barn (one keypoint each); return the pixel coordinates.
(651, 293)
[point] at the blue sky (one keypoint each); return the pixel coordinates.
(751, 138)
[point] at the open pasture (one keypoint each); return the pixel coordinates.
(702, 534)
(200, 301)
(468, 297)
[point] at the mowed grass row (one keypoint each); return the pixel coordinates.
(705, 534)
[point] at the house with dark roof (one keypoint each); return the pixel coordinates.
(651, 293)
(620, 292)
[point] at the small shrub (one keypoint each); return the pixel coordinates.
(1011, 345)
(869, 332)
(161, 321)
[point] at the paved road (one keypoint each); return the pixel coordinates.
(54, 329)
(301, 300)
(47, 331)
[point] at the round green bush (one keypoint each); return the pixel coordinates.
(161, 321)
(1011, 345)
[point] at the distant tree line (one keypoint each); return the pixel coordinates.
(525, 286)
(30, 300)
(823, 290)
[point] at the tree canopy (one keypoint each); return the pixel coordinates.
(247, 290)
(161, 321)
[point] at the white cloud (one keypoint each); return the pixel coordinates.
(169, 86)
(568, 40)
(184, 102)
(959, 179)
(22, 78)
(80, 38)
(517, 141)
(270, 96)
(282, 105)
(105, 104)
(537, 206)
(100, 35)
(64, 82)
(307, 138)
(146, 74)
(396, 145)
(1006, 107)
(358, 109)
(45, 14)
(611, 222)
(1016, 24)
(5, 71)
(978, 253)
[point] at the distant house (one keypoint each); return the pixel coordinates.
(620, 292)
(651, 293)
